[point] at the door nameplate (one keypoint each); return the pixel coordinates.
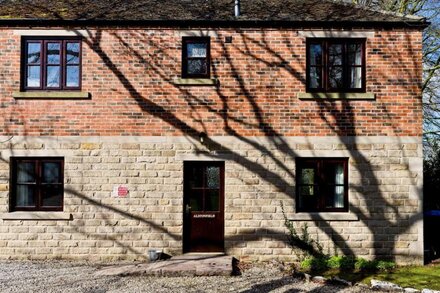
(204, 216)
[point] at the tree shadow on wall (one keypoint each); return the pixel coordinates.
(242, 108)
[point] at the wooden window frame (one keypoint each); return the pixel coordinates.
(321, 183)
(37, 161)
(43, 63)
(196, 40)
(325, 87)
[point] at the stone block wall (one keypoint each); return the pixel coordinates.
(385, 180)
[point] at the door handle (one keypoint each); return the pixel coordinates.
(187, 208)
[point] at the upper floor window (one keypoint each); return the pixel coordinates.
(51, 64)
(196, 57)
(37, 184)
(322, 185)
(336, 65)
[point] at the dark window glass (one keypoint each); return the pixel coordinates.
(52, 64)
(336, 65)
(37, 184)
(322, 185)
(196, 57)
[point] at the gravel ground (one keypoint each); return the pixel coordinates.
(60, 276)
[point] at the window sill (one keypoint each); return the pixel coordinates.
(336, 96)
(51, 95)
(197, 81)
(38, 216)
(324, 217)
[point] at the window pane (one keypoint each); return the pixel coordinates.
(53, 53)
(196, 200)
(334, 197)
(51, 195)
(51, 172)
(355, 77)
(33, 53)
(213, 177)
(212, 200)
(196, 50)
(334, 173)
(354, 54)
(315, 54)
(335, 54)
(72, 76)
(53, 76)
(25, 196)
(315, 77)
(307, 198)
(72, 53)
(33, 76)
(335, 77)
(197, 66)
(307, 176)
(25, 173)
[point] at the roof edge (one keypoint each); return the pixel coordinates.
(420, 24)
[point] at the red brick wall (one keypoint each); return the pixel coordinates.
(130, 75)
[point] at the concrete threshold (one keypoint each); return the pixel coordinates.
(194, 264)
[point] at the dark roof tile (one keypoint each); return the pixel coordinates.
(205, 10)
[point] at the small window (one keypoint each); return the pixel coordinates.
(51, 64)
(37, 184)
(322, 185)
(196, 57)
(336, 65)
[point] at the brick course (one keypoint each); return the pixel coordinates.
(130, 74)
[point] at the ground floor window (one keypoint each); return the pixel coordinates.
(37, 184)
(322, 184)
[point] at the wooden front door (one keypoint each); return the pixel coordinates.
(203, 207)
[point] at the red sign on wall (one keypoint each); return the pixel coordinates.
(122, 191)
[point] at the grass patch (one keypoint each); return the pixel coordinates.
(418, 277)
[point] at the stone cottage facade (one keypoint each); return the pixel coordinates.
(125, 129)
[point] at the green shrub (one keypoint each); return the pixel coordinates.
(334, 262)
(364, 265)
(347, 263)
(315, 264)
(383, 265)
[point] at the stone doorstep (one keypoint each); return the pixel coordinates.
(184, 265)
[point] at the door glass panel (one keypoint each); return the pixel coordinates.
(53, 53)
(212, 200)
(51, 172)
(196, 177)
(25, 196)
(213, 177)
(52, 195)
(196, 200)
(33, 53)
(26, 173)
